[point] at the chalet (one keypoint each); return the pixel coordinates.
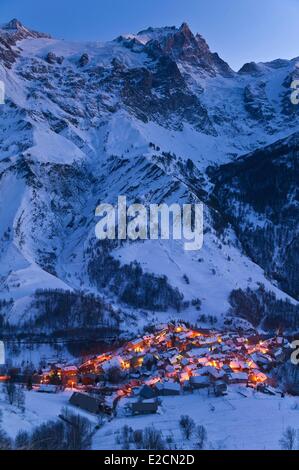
(210, 340)
(256, 376)
(115, 361)
(220, 388)
(212, 372)
(36, 379)
(237, 378)
(69, 376)
(200, 381)
(90, 378)
(198, 352)
(203, 361)
(48, 388)
(168, 388)
(136, 345)
(139, 361)
(238, 365)
(262, 360)
(147, 392)
(86, 402)
(148, 338)
(144, 407)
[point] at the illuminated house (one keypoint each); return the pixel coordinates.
(136, 345)
(69, 376)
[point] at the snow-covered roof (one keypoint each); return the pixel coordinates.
(239, 375)
(70, 369)
(168, 386)
(115, 361)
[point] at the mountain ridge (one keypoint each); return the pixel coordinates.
(154, 118)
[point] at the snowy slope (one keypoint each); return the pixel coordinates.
(230, 422)
(86, 122)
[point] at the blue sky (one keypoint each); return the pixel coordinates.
(239, 30)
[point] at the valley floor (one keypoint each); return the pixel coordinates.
(244, 419)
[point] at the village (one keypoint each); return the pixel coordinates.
(171, 360)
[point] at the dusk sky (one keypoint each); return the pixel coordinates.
(240, 31)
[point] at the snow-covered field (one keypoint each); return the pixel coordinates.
(232, 422)
(256, 421)
(40, 407)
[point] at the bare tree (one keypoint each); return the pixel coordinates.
(288, 439)
(20, 399)
(22, 441)
(125, 437)
(5, 441)
(78, 431)
(48, 436)
(153, 439)
(71, 432)
(10, 391)
(187, 426)
(138, 438)
(201, 437)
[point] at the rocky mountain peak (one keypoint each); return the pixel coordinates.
(202, 44)
(10, 34)
(182, 45)
(186, 31)
(13, 24)
(15, 31)
(180, 40)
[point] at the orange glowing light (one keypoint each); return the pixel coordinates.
(263, 350)
(185, 376)
(3, 378)
(154, 380)
(125, 365)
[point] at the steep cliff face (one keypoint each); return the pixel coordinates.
(144, 116)
(259, 194)
(184, 48)
(10, 34)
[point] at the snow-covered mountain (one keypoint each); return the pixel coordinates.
(158, 117)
